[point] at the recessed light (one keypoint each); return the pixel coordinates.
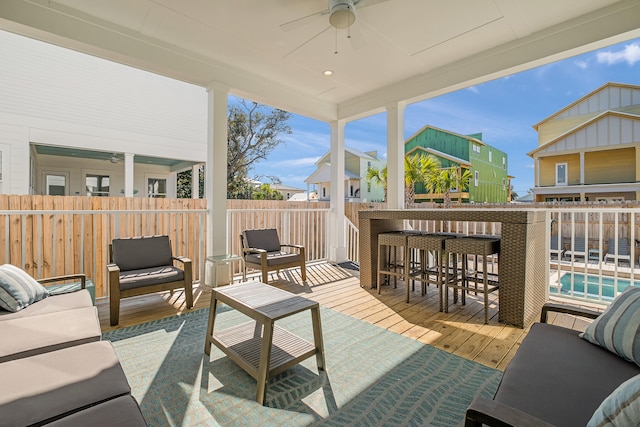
(327, 72)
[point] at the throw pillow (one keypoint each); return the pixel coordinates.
(621, 407)
(18, 289)
(618, 328)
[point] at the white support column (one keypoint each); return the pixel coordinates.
(216, 169)
(582, 168)
(395, 155)
(337, 248)
(195, 181)
(128, 174)
(536, 172)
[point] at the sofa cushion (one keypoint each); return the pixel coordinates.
(48, 385)
(621, 408)
(274, 258)
(122, 411)
(150, 276)
(136, 253)
(52, 304)
(618, 328)
(266, 239)
(18, 289)
(27, 336)
(552, 376)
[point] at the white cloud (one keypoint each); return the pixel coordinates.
(473, 89)
(583, 65)
(630, 54)
(290, 163)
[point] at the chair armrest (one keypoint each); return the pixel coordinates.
(288, 245)
(566, 309)
(253, 251)
(182, 259)
(492, 413)
(113, 268)
(82, 277)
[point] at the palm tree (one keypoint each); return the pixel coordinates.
(419, 168)
(379, 177)
(449, 178)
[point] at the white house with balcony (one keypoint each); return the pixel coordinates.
(356, 187)
(74, 124)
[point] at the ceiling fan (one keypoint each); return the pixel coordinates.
(342, 16)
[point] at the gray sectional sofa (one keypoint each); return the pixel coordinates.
(59, 371)
(556, 378)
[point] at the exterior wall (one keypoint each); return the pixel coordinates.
(444, 142)
(370, 192)
(493, 185)
(613, 97)
(612, 166)
(548, 169)
(58, 97)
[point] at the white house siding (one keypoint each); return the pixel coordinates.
(610, 98)
(608, 132)
(54, 96)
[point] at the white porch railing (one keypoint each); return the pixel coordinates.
(597, 252)
(352, 237)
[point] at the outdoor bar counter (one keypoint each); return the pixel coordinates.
(522, 268)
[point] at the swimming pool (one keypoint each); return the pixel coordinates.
(593, 286)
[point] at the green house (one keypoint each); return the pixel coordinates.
(490, 182)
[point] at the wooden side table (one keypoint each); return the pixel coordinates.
(260, 348)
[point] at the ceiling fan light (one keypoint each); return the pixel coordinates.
(342, 16)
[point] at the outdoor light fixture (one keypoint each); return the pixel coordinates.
(327, 72)
(342, 13)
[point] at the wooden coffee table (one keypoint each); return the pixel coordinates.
(259, 347)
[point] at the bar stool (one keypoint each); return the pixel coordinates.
(425, 244)
(389, 243)
(476, 246)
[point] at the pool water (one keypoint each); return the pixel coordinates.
(593, 286)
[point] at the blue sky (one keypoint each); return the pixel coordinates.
(503, 110)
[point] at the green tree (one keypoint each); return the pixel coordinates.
(418, 168)
(254, 130)
(447, 179)
(378, 176)
(184, 183)
(267, 192)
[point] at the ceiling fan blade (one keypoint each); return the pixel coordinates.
(308, 41)
(301, 22)
(363, 3)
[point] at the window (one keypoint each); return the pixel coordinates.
(97, 185)
(55, 184)
(504, 163)
(351, 190)
(476, 178)
(368, 187)
(324, 192)
(490, 157)
(157, 188)
(561, 174)
(504, 184)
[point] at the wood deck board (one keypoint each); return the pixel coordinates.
(461, 331)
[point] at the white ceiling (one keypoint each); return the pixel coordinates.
(401, 50)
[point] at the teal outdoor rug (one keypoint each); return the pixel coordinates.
(374, 377)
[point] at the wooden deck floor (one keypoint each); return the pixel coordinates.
(461, 331)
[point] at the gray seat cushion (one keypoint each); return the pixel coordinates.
(52, 304)
(27, 336)
(44, 386)
(150, 276)
(266, 239)
(122, 411)
(552, 376)
(274, 258)
(136, 253)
